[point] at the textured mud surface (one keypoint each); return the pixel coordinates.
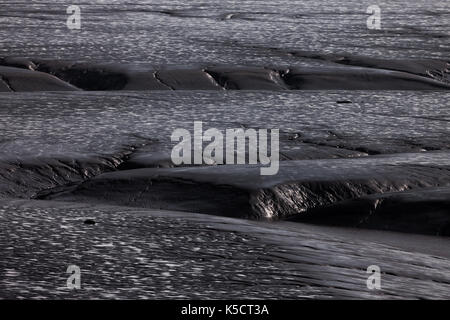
(86, 176)
(75, 147)
(155, 254)
(66, 76)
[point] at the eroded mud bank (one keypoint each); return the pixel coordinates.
(341, 154)
(359, 74)
(299, 189)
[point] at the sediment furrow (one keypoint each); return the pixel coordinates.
(372, 75)
(239, 191)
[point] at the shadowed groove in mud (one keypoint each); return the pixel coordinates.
(239, 191)
(436, 69)
(376, 75)
(22, 80)
(314, 127)
(24, 178)
(4, 85)
(425, 210)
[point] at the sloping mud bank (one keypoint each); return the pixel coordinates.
(300, 188)
(48, 75)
